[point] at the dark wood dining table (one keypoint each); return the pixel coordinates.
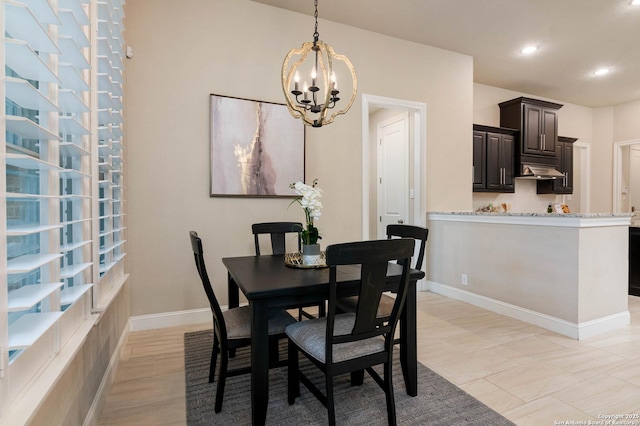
(268, 283)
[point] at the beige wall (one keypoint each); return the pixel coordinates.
(602, 160)
(181, 57)
(626, 122)
(186, 50)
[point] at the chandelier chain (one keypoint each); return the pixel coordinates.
(316, 35)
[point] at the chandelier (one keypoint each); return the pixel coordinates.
(315, 98)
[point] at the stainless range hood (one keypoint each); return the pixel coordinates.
(538, 171)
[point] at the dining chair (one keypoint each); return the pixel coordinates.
(232, 328)
(353, 341)
(417, 233)
(278, 232)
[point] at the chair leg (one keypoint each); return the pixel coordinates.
(293, 388)
(322, 310)
(274, 351)
(224, 361)
(331, 411)
(357, 377)
(391, 405)
(214, 357)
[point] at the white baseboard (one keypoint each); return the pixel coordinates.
(603, 325)
(171, 319)
(194, 316)
(421, 285)
(557, 325)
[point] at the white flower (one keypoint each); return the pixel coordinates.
(309, 199)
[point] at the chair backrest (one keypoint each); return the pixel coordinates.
(410, 231)
(373, 258)
(219, 325)
(278, 231)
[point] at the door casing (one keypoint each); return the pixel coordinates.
(418, 130)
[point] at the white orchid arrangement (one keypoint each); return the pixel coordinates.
(309, 200)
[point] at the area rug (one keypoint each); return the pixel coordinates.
(439, 402)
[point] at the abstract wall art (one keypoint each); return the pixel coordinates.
(257, 148)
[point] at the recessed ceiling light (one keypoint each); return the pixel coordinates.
(635, 3)
(602, 71)
(530, 49)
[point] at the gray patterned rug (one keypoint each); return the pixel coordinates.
(438, 402)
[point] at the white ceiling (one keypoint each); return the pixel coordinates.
(575, 38)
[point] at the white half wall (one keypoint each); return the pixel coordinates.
(571, 271)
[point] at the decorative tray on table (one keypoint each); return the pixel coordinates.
(294, 260)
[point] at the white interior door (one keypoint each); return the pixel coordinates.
(393, 172)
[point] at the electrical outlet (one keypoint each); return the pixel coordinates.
(464, 279)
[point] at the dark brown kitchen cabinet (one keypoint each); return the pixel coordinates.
(537, 121)
(564, 185)
(479, 160)
(493, 159)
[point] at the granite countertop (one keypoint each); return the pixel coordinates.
(585, 215)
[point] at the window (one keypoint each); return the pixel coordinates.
(62, 158)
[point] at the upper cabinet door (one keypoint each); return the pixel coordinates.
(549, 131)
(494, 162)
(540, 130)
(479, 160)
(506, 150)
(532, 133)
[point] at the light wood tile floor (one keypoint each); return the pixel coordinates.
(530, 375)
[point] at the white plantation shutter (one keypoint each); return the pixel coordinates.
(110, 51)
(62, 216)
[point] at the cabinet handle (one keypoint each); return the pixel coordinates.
(544, 142)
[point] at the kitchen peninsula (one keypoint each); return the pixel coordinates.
(564, 272)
